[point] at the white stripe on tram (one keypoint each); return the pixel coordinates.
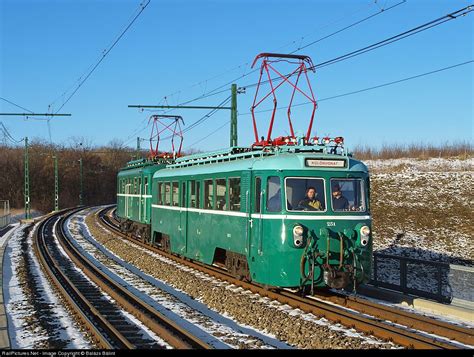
(262, 216)
(133, 195)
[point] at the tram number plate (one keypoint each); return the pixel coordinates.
(331, 224)
(325, 163)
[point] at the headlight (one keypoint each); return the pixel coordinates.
(364, 235)
(364, 231)
(298, 236)
(298, 230)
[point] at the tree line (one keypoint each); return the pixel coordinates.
(100, 167)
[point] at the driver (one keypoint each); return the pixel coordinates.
(310, 203)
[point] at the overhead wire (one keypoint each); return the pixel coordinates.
(246, 64)
(16, 105)
(451, 16)
(104, 54)
(345, 94)
(370, 88)
(218, 90)
(439, 21)
(8, 136)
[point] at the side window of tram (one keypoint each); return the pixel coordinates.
(167, 193)
(273, 194)
(208, 194)
(198, 194)
(234, 194)
(220, 194)
(175, 195)
(258, 190)
(183, 194)
(159, 194)
(192, 194)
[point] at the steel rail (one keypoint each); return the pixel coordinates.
(415, 321)
(164, 327)
(376, 325)
(68, 291)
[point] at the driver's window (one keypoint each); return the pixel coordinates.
(305, 194)
(347, 195)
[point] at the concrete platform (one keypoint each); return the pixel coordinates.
(458, 309)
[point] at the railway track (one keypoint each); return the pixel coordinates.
(389, 323)
(102, 317)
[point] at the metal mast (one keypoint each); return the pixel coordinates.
(27, 182)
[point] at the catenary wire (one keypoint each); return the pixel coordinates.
(105, 53)
(347, 94)
(216, 90)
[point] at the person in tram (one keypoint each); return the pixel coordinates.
(310, 203)
(339, 202)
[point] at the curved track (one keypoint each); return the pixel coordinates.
(101, 317)
(389, 323)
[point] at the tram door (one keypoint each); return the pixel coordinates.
(258, 199)
(252, 188)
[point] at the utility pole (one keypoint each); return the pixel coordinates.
(138, 147)
(233, 116)
(27, 182)
(232, 108)
(82, 191)
(56, 184)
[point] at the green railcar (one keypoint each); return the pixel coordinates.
(134, 196)
(242, 209)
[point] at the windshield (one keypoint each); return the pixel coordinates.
(348, 195)
(305, 194)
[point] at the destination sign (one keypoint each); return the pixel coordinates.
(325, 163)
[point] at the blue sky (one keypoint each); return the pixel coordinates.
(182, 49)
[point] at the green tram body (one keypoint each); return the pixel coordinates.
(188, 219)
(134, 195)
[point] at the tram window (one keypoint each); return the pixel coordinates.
(220, 194)
(139, 185)
(300, 197)
(167, 193)
(198, 194)
(175, 195)
(192, 194)
(159, 195)
(273, 194)
(258, 190)
(208, 195)
(145, 185)
(234, 194)
(348, 195)
(183, 194)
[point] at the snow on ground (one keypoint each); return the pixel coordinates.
(418, 165)
(423, 209)
(23, 330)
